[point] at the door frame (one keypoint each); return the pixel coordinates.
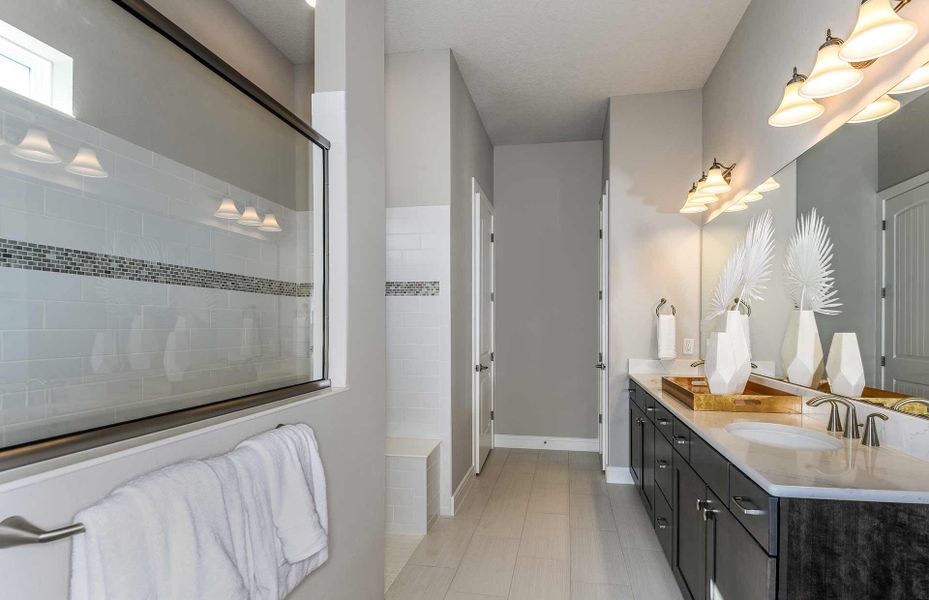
(476, 194)
(603, 321)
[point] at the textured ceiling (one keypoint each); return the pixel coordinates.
(542, 70)
(288, 24)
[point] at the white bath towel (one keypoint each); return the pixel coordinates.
(667, 337)
(163, 535)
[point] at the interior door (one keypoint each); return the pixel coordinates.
(482, 281)
(603, 373)
(906, 279)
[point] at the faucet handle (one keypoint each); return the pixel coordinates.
(852, 426)
(870, 431)
(835, 421)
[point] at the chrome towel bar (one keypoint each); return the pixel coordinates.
(17, 531)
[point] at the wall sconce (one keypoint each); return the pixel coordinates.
(689, 209)
(830, 75)
(737, 206)
(917, 80)
(269, 224)
(880, 108)
(86, 164)
(250, 217)
(717, 179)
(227, 210)
(794, 108)
(878, 32)
(36, 148)
(769, 185)
(697, 197)
(752, 196)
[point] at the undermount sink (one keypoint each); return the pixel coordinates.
(784, 436)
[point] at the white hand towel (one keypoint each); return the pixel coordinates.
(667, 337)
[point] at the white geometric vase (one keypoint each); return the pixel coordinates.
(844, 366)
(802, 351)
(724, 374)
(737, 328)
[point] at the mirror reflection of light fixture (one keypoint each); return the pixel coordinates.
(86, 164)
(250, 217)
(917, 80)
(269, 224)
(695, 197)
(737, 206)
(717, 179)
(752, 196)
(880, 108)
(878, 32)
(768, 186)
(312, 3)
(36, 147)
(690, 209)
(794, 108)
(830, 75)
(227, 210)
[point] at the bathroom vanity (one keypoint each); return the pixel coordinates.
(799, 517)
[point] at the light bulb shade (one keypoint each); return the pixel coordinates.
(752, 196)
(831, 75)
(715, 182)
(269, 224)
(690, 209)
(704, 198)
(86, 164)
(227, 210)
(880, 108)
(878, 32)
(311, 3)
(36, 147)
(768, 186)
(918, 80)
(737, 207)
(250, 217)
(794, 108)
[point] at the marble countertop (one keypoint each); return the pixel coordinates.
(854, 472)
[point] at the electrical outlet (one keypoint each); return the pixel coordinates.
(689, 346)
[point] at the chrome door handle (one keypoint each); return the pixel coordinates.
(663, 422)
(479, 368)
(661, 522)
(707, 511)
(681, 440)
(741, 502)
(600, 366)
(640, 420)
(662, 463)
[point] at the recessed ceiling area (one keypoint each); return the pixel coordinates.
(542, 70)
(289, 24)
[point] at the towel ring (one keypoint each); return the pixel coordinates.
(736, 304)
(661, 303)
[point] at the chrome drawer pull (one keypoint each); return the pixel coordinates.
(662, 464)
(752, 512)
(679, 439)
(664, 422)
(650, 408)
(662, 523)
(640, 420)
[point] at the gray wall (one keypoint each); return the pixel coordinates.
(546, 224)
(902, 143)
(472, 155)
(654, 250)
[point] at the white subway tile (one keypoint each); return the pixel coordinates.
(74, 207)
(39, 229)
(39, 285)
(123, 220)
(19, 194)
(23, 345)
(122, 291)
(169, 229)
(20, 314)
(403, 242)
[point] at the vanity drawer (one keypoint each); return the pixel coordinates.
(664, 474)
(680, 439)
(711, 466)
(636, 395)
(664, 523)
(664, 422)
(754, 509)
(648, 403)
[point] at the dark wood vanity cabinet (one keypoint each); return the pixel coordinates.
(689, 554)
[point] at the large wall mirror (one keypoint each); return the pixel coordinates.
(870, 184)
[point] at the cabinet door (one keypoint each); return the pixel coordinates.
(738, 566)
(637, 423)
(648, 466)
(690, 530)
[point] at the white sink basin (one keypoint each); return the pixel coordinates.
(784, 436)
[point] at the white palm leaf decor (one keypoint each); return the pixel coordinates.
(748, 268)
(729, 284)
(808, 267)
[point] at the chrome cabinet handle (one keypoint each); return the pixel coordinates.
(747, 506)
(650, 408)
(664, 422)
(640, 420)
(707, 511)
(661, 522)
(479, 368)
(662, 463)
(681, 440)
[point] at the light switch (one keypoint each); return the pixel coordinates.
(689, 346)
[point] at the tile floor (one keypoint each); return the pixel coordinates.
(539, 525)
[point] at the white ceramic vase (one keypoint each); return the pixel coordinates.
(844, 366)
(737, 328)
(802, 351)
(728, 363)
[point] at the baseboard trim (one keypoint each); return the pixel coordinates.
(619, 475)
(540, 442)
(462, 491)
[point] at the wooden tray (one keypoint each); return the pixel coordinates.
(693, 392)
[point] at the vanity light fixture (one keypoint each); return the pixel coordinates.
(769, 185)
(794, 108)
(695, 197)
(830, 75)
(36, 148)
(880, 108)
(689, 209)
(717, 179)
(227, 210)
(752, 196)
(917, 80)
(878, 31)
(269, 224)
(737, 206)
(312, 3)
(250, 217)
(86, 164)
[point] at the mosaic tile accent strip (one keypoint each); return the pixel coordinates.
(40, 257)
(411, 288)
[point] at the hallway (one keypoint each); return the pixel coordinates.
(540, 525)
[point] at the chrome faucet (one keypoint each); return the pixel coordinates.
(852, 426)
(907, 401)
(870, 431)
